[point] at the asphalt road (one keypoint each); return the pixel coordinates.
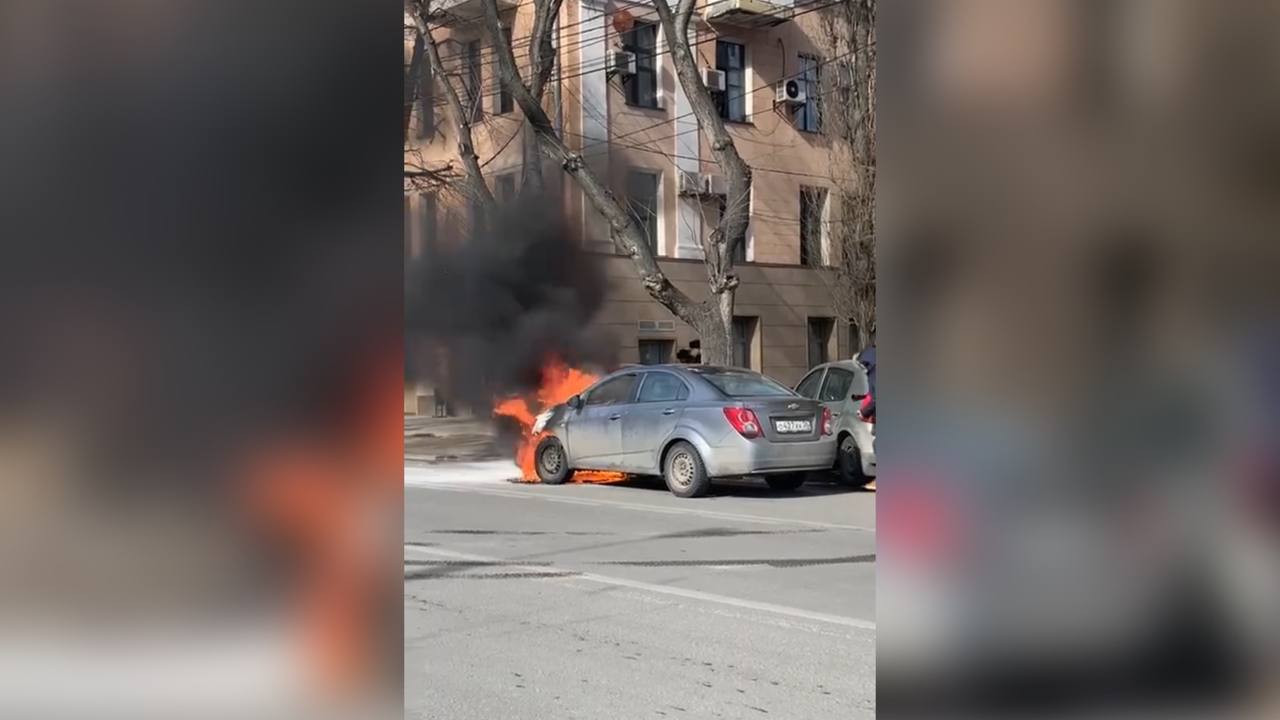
(578, 601)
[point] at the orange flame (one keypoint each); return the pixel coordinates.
(558, 383)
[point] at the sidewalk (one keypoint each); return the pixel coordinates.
(429, 440)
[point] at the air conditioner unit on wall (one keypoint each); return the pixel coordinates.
(690, 183)
(623, 62)
(714, 79)
(713, 184)
(790, 92)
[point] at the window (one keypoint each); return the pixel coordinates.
(819, 339)
(642, 88)
(808, 117)
(808, 387)
(740, 245)
(427, 229)
(813, 204)
(505, 104)
(743, 383)
(855, 346)
(837, 386)
(732, 103)
(504, 188)
(642, 202)
(471, 80)
(613, 391)
(742, 338)
(662, 387)
(655, 352)
(426, 101)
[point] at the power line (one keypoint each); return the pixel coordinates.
(615, 141)
(494, 88)
(744, 94)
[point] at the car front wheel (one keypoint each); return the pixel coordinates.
(551, 463)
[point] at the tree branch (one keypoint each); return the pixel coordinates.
(733, 223)
(623, 230)
(458, 118)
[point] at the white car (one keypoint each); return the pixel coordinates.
(841, 387)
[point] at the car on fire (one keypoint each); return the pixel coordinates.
(690, 424)
(843, 388)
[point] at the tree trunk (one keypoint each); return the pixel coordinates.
(542, 62)
(458, 119)
(718, 246)
(412, 79)
(623, 229)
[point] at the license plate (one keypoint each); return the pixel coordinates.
(793, 426)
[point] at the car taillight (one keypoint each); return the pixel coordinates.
(743, 420)
(826, 421)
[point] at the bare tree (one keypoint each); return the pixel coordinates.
(848, 118)
(417, 13)
(712, 319)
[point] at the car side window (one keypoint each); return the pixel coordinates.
(808, 387)
(662, 387)
(612, 392)
(836, 387)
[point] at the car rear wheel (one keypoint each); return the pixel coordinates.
(684, 472)
(786, 481)
(849, 464)
(552, 464)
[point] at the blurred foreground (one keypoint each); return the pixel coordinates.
(1079, 493)
(200, 306)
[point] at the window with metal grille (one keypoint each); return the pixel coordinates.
(641, 89)
(655, 352)
(813, 203)
(808, 116)
(731, 58)
(742, 338)
(505, 103)
(819, 339)
(471, 80)
(642, 203)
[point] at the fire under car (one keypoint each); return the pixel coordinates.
(690, 424)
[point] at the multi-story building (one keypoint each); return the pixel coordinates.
(617, 100)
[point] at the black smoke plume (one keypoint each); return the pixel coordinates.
(484, 312)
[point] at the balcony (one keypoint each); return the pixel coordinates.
(751, 14)
(447, 12)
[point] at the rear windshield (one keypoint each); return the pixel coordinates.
(744, 384)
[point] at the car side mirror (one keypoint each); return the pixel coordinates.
(575, 402)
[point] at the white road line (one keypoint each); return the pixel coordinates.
(785, 610)
(547, 496)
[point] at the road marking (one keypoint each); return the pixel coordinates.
(772, 608)
(642, 506)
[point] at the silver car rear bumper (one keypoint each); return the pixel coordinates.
(736, 455)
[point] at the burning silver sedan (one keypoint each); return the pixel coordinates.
(690, 424)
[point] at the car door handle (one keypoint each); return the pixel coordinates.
(835, 414)
(669, 411)
(615, 416)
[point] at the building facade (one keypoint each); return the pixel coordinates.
(617, 101)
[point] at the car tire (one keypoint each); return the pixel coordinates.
(786, 481)
(551, 463)
(683, 471)
(849, 464)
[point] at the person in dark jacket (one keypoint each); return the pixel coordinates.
(868, 359)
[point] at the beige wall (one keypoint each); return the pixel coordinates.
(773, 287)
